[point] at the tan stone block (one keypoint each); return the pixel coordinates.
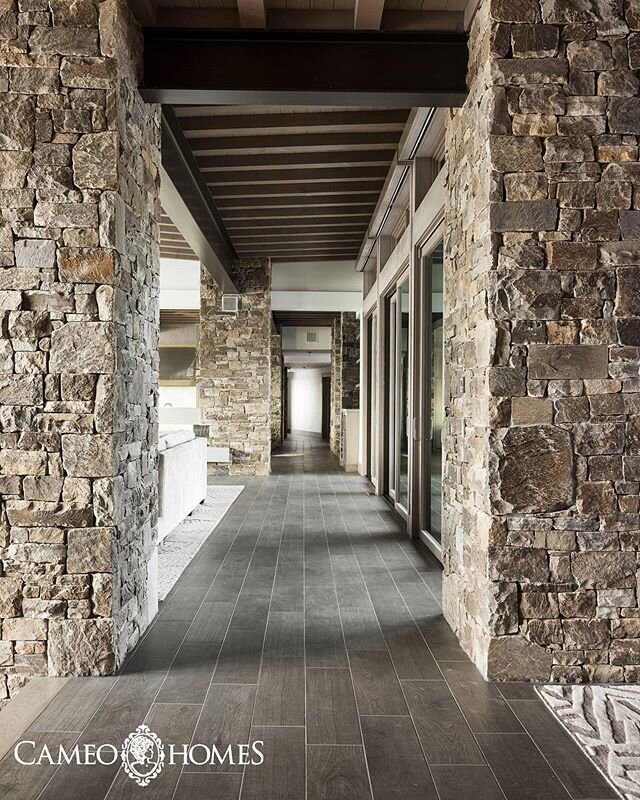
(531, 410)
(90, 550)
(42, 488)
(29, 630)
(86, 265)
(81, 647)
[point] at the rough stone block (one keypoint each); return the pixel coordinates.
(572, 255)
(81, 647)
(624, 115)
(604, 569)
(21, 390)
(24, 630)
(533, 215)
(86, 265)
(95, 161)
(525, 71)
(586, 634)
(83, 347)
(534, 470)
(513, 658)
(26, 514)
(90, 550)
(88, 455)
(515, 153)
(531, 41)
(528, 294)
(568, 361)
(10, 597)
(628, 292)
(531, 411)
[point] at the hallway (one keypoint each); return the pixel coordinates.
(309, 622)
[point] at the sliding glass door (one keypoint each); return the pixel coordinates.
(433, 397)
(398, 388)
(372, 395)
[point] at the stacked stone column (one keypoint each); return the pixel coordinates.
(234, 368)
(276, 388)
(79, 156)
(345, 373)
(542, 337)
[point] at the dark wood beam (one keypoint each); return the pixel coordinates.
(325, 68)
(308, 233)
(313, 19)
(293, 141)
(319, 319)
(253, 178)
(189, 204)
(308, 213)
(350, 221)
(252, 14)
(224, 190)
(367, 14)
(295, 201)
(202, 123)
(252, 161)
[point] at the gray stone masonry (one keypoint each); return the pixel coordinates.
(276, 388)
(345, 373)
(234, 368)
(79, 156)
(542, 338)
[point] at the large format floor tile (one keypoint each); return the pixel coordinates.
(309, 622)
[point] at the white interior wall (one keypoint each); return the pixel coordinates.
(295, 338)
(305, 399)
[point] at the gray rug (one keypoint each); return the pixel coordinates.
(180, 546)
(605, 721)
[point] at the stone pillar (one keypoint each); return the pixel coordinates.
(276, 388)
(345, 373)
(542, 337)
(79, 156)
(234, 368)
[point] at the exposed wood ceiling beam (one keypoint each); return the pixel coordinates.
(310, 212)
(326, 68)
(307, 233)
(293, 141)
(224, 190)
(368, 201)
(302, 225)
(298, 19)
(367, 15)
(252, 14)
(252, 178)
(314, 159)
(188, 202)
(396, 118)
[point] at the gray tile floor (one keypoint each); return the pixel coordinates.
(310, 622)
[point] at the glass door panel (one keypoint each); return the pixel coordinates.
(434, 394)
(373, 398)
(391, 395)
(403, 421)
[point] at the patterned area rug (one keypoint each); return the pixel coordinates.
(180, 546)
(605, 721)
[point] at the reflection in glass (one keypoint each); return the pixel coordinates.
(436, 357)
(373, 398)
(404, 423)
(391, 397)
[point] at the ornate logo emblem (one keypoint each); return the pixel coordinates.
(142, 755)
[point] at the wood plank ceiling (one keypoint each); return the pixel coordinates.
(172, 243)
(293, 183)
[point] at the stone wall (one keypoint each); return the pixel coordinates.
(234, 368)
(79, 155)
(542, 330)
(276, 388)
(345, 373)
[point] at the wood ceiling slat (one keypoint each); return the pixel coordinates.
(269, 160)
(293, 141)
(363, 210)
(316, 257)
(319, 174)
(313, 236)
(367, 200)
(222, 191)
(319, 119)
(302, 223)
